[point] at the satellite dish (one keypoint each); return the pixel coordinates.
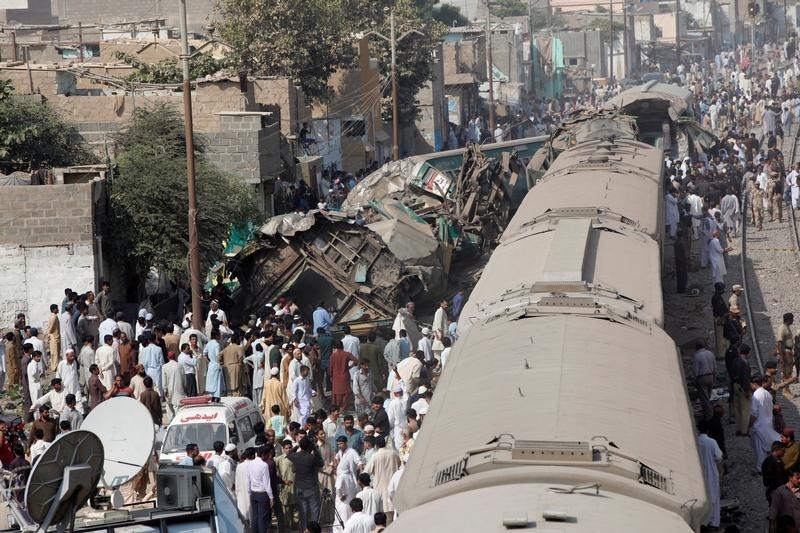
(64, 477)
(126, 429)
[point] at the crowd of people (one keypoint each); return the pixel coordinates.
(340, 414)
(751, 103)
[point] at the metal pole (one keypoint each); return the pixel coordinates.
(611, 40)
(194, 243)
(14, 43)
(80, 40)
(395, 106)
(490, 75)
(530, 41)
(678, 29)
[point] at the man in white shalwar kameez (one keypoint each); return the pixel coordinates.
(405, 320)
(762, 435)
(672, 213)
(104, 359)
(69, 339)
(716, 255)
(710, 457)
(397, 414)
(440, 326)
(35, 372)
(173, 379)
(302, 393)
(346, 461)
(241, 486)
(696, 210)
(67, 372)
(729, 207)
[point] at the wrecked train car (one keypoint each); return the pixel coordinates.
(665, 118)
(391, 242)
(361, 268)
(585, 127)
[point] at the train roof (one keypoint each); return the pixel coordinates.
(485, 510)
(545, 394)
(623, 177)
(587, 254)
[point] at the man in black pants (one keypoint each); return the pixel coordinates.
(261, 497)
(307, 462)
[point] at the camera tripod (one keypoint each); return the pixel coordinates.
(328, 515)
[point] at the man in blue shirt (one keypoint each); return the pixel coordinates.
(355, 437)
(192, 451)
(322, 318)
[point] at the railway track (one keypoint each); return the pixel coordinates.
(748, 265)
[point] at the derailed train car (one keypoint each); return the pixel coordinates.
(563, 405)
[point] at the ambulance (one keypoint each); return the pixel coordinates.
(203, 422)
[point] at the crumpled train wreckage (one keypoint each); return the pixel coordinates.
(652, 112)
(391, 242)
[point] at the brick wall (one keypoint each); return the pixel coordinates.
(246, 144)
(46, 244)
(198, 12)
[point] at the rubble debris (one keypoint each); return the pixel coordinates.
(391, 242)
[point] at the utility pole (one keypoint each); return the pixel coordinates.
(395, 106)
(678, 29)
(393, 40)
(611, 40)
(194, 242)
(80, 40)
(490, 74)
(530, 43)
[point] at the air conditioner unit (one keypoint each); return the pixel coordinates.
(178, 487)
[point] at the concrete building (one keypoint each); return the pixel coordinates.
(349, 128)
(429, 133)
(50, 239)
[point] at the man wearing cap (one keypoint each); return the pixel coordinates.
(397, 414)
(736, 292)
(226, 467)
(274, 393)
(67, 372)
(217, 313)
(425, 344)
(141, 323)
(174, 381)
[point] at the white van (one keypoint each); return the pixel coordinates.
(203, 422)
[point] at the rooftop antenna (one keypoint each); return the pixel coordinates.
(63, 478)
(128, 439)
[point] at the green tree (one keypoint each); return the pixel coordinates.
(304, 40)
(449, 15)
(413, 55)
(6, 89)
(604, 26)
(168, 71)
(508, 8)
(149, 197)
(33, 135)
